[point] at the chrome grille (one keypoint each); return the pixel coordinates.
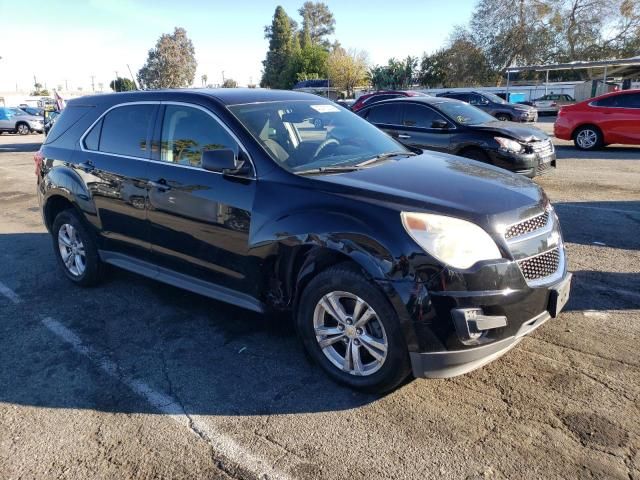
(542, 148)
(530, 225)
(540, 266)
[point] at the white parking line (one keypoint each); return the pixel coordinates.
(588, 207)
(10, 294)
(221, 443)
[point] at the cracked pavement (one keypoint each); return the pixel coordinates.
(206, 390)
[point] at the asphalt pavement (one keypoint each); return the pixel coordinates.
(136, 379)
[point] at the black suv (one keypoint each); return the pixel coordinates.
(452, 126)
(390, 262)
(496, 106)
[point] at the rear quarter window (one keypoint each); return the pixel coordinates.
(67, 119)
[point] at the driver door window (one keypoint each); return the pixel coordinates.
(187, 132)
(419, 116)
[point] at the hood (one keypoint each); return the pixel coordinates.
(512, 130)
(441, 183)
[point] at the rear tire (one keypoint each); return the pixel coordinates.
(588, 137)
(76, 249)
(365, 349)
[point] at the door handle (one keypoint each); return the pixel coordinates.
(404, 136)
(87, 166)
(161, 185)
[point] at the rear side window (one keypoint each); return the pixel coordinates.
(125, 130)
(630, 100)
(67, 119)
(187, 132)
(389, 114)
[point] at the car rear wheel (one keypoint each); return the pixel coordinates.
(351, 331)
(23, 129)
(75, 249)
(588, 138)
(503, 117)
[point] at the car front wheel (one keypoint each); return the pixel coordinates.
(503, 117)
(349, 328)
(588, 138)
(75, 249)
(23, 129)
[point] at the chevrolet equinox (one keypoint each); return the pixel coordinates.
(391, 262)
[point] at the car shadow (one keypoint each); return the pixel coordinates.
(19, 147)
(210, 357)
(606, 224)
(596, 290)
(610, 152)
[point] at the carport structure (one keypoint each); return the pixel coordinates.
(624, 67)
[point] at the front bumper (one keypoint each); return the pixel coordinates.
(527, 116)
(458, 361)
(527, 164)
(454, 363)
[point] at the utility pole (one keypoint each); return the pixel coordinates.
(132, 79)
(66, 85)
(223, 77)
(93, 85)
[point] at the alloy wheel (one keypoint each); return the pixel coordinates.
(23, 129)
(587, 139)
(72, 250)
(350, 334)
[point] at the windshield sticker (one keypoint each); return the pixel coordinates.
(325, 108)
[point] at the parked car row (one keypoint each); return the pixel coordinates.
(452, 126)
(393, 260)
(15, 120)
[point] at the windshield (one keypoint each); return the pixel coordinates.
(465, 114)
(314, 134)
(494, 98)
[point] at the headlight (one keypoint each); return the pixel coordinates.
(456, 242)
(509, 145)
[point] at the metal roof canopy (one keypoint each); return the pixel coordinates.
(624, 66)
(623, 62)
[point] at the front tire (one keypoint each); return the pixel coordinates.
(503, 117)
(75, 249)
(23, 129)
(350, 329)
(588, 138)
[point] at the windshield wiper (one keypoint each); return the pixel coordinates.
(384, 156)
(334, 169)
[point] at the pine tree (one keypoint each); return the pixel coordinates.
(279, 34)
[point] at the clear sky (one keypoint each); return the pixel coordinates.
(72, 40)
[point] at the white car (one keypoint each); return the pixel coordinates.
(552, 102)
(15, 120)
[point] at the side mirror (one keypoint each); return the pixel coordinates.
(223, 161)
(440, 124)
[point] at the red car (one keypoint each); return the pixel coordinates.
(597, 122)
(380, 95)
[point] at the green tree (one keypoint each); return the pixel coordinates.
(396, 74)
(279, 34)
(308, 63)
(230, 83)
(38, 91)
(171, 64)
(122, 84)
(318, 21)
